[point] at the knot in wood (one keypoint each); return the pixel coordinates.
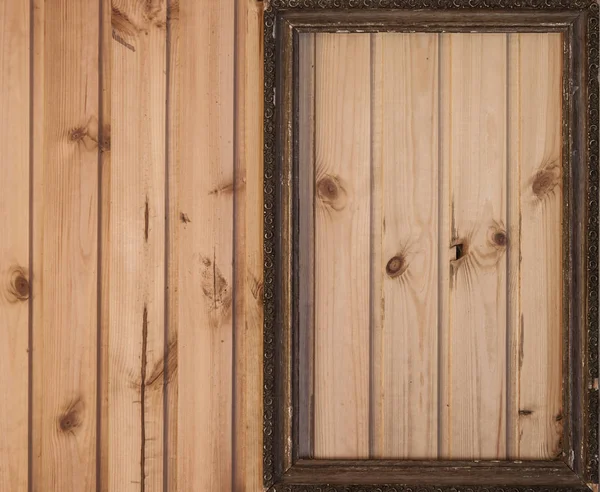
(78, 133)
(396, 266)
(328, 188)
(331, 192)
(18, 288)
(499, 238)
(544, 181)
(71, 418)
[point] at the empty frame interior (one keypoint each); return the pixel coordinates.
(430, 245)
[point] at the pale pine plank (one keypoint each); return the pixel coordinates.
(205, 195)
(377, 430)
(173, 228)
(342, 245)
(536, 157)
(476, 132)
(306, 246)
(105, 244)
(406, 100)
(445, 252)
(248, 219)
(14, 246)
(37, 222)
(134, 260)
(66, 155)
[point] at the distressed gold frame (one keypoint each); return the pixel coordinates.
(577, 467)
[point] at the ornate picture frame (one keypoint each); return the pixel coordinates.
(577, 467)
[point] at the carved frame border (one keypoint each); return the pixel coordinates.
(283, 471)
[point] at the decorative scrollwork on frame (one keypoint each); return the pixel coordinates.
(431, 4)
(403, 488)
(592, 244)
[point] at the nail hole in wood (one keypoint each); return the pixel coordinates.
(460, 250)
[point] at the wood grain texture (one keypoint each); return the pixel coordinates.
(536, 158)
(405, 101)
(205, 187)
(248, 240)
(306, 249)
(65, 208)
(15, 288)
(342, 244)
(103, 429)
(135, 255)
(173, 215)
(476, 159)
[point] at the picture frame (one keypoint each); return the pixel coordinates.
(577, 467)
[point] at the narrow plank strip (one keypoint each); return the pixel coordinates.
(205, 189)
(37, 222)
(306, 246)
(476, 133)
(14, 246)
(173, 228)
(103, 441)
(135, 255)
(377, 430)
(445, 252)
(66, 246)
(248, 262)
(406, 83)
(342, 245)
(535, 102)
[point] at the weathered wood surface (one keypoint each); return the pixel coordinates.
(474, 394)
(535, 158)
(132, 250)
(404, 308)
(342, 244)
(452, 166)
(135, 274)
(65, 200)
(121, 182)
(15, 212)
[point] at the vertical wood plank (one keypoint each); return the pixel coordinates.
(248, 258)
(377, 364)
(536, 158)
(14, 246)
(103, 441)
(173, 233)
(445, 252)
(406, 98)
(476, 139)
(205, 189)
(65, 167)
(342, 245)
(306, 247)
(135, 256)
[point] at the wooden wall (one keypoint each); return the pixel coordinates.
(431, 254)
(130, 258)
(131, 232)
